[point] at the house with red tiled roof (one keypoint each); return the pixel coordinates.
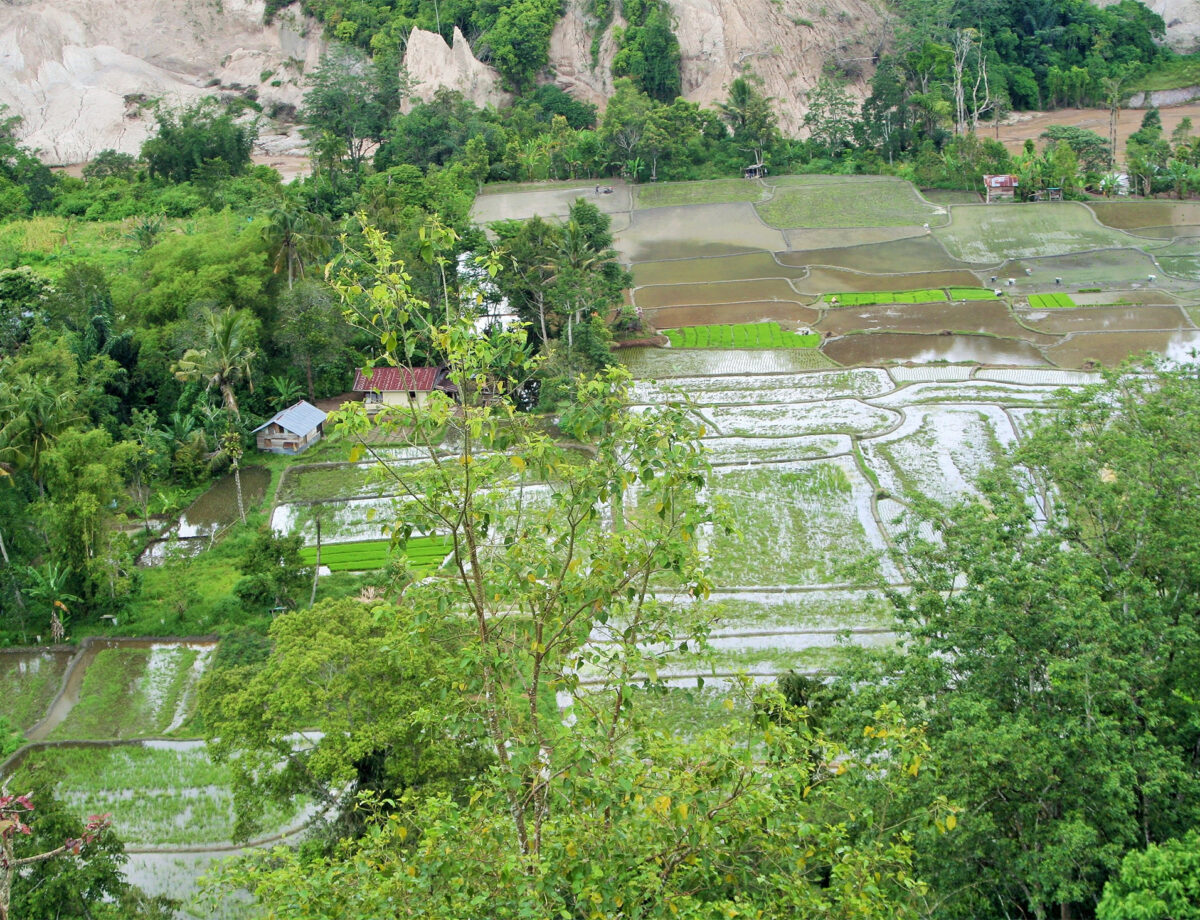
(400, 386)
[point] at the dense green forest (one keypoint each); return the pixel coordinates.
(1033, 750)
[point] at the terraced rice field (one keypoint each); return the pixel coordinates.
(158, 794)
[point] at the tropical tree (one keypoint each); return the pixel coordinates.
(295, 237)
(34, 412)
(313, 332)
(225, 359)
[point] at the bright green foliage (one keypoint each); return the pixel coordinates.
(376, 682)
(1161, 882)
(741, 335)
(421, 554)
(1047, 301)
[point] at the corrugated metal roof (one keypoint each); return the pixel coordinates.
(299, 419)
(397, 379)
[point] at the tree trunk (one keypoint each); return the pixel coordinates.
(312, 598)
(237, 480)
(312, 391)
(230, 399)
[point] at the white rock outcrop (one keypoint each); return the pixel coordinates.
(431, 64)
(784, 44)
(1182, 18)
(83, 74)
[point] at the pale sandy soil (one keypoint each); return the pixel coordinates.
(1023, 125)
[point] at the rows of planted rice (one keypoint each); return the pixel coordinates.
(1047, 301)
(740, 335)
(136, 692)
(156, 794)
(871, 298)
(422, 553)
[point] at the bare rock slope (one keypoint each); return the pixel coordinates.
(82, 72)
(785, 44)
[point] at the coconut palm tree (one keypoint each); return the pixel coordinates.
(225, 359)
(295, 236)
(32, 416)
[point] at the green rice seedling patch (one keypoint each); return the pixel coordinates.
(28, 682)
(823, 610)
(791, 526)
(423, 553)
(887, 205)
(741, 335)
(1051, 301)
(971, 293)
(135, 692)
(875, 298)
(711, 191)
(306, 483)
(156, 796)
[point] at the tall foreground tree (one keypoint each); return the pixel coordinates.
(570, 568)
(1057, 660)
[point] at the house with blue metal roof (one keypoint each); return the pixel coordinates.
(292, 430)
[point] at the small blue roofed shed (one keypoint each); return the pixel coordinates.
(292, 430)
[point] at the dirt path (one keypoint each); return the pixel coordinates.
(1023, 125)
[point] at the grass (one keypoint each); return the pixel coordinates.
(27, 685)
(889, 204)
(740, 335)
(155, 796)
(130, 693)
(712, 191)
(1176, 73)
(1049, 301)
(423, 553)
(871, 298)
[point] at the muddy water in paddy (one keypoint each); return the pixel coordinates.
(217, 507)
(1141, 216)
(745, 267)
(1122, 298)
(922, 254)
(756, 312)
(806, 238)
(884, 347)
(670, 233)
(1108, 319)
(680, 295)
(992, 318)
(1109, 348)
(832, 280)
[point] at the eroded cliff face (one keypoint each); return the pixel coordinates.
(83, 73)
(431, 64)
(785, 44)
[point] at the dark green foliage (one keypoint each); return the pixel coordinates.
(433, 132)
(1090, 148)
(193, 141)
(649, 50)
(274, 572)
(519, 41)
(352, 99)
(1055, 663)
